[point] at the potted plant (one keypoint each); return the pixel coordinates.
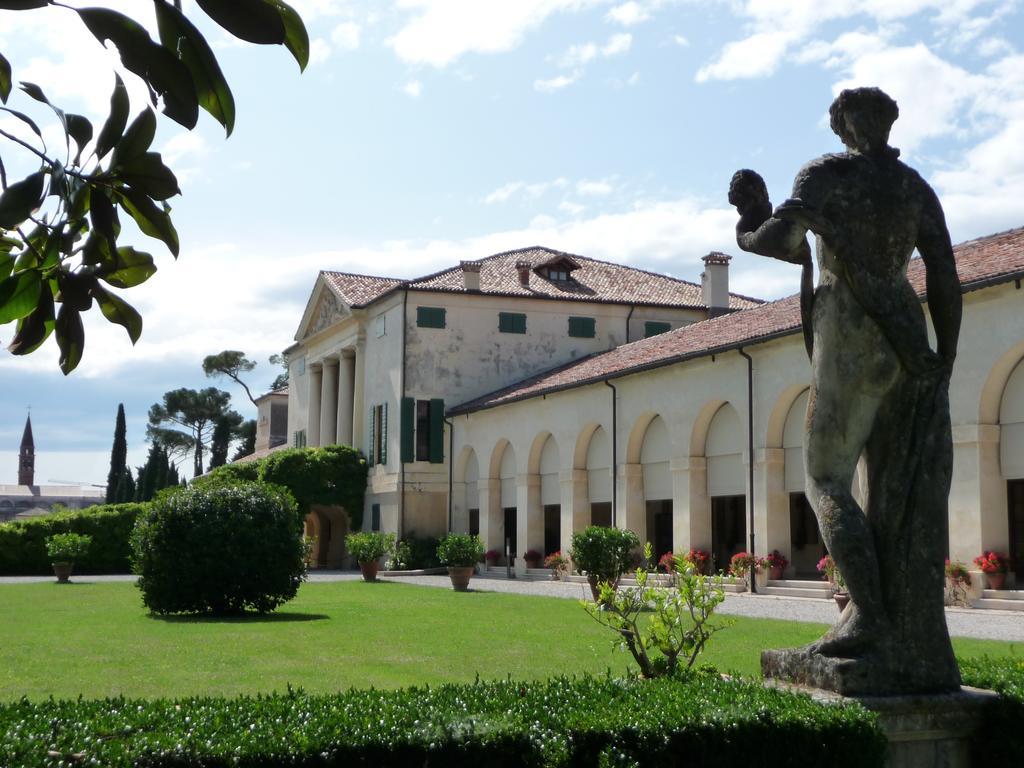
(460, 552)
(492, 556)
(777, 563)
(994, 565)
(63, 549)
(367, 548)
(558, 563)
(667, 563)
(602, 554)
(746, 566)
(958, 580)
(700, 559)
(827, 567)
(533, 558)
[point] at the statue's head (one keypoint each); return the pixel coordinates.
(863, 117)
(747, 189)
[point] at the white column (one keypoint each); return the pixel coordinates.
(529, 519)
(575, 505)
(632, 507)
(691, 507)
(977, 498)
(313, 414)
(346, 390)
(358, 406)
(771, 502)
(491, 533)
(329, 403)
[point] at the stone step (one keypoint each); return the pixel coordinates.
(802, 584)
(810, 593)
(1003, 594)
(999, 604)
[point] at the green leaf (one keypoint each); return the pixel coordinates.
(22, 5)
(25, 119)
(36, 93)
(131, 268)
(156, 65)
(5, 79)
(152, 220)
(148, 174)
(296, 38)
(20, 199)
(104, 218)
(80, 130)
(19, 295)
(118, 311)
(113, 127)
(137, 139)
(254, 21)
(6, 260)
(178, 34)
(35, 328)
(70, 338)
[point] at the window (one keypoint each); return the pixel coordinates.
(511, 322)
(378, 448)
(375, 517)
(582, 327)
(299, 438)
(430, 317)
(560, 275)
(380, 326)
(422, 436)
(654, 327)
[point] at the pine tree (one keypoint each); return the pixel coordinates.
(118, 457)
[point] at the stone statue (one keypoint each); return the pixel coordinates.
(878, 391)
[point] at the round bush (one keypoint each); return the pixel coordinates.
(219, 549)
(603, 552)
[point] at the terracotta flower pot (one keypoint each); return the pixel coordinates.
(842, 600)
(460, 576)
(63, 572)
(369, 570)
(995, 580)
(776, 574)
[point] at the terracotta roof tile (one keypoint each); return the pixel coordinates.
(360, 290)
(978, 262)
(593, 280)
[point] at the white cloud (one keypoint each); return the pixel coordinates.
(557, 83)
(503, 193)
(528, 191)
(593, 188)
(681, 41)
(617, 44)
(571, 208)
(578, 55)
(441, 31)
(628, 14)
(319, 51)
(576, 58)
(346, 35)
(183, 146)
(414, 89)
(755, 56)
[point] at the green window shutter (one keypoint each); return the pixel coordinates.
(582, 327)
(436, 431)
(430, 317)
(408, 427)
(384, 434)
(654, 327)
(512, 322)
(371, 453)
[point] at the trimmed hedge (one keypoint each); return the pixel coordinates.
(702, 720)
(1001, 738)
(23, 542)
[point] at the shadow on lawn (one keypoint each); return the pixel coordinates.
(238, 618)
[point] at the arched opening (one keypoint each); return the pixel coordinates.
(655, 452)
(599, 477)
(471, 478)
(507, 500)
(726, 486)
(1011, 462)
(807, 547)
(325, 530)
(551, 496)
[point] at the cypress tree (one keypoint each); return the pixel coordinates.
(118, 457)
(125, 487)
(219, 443)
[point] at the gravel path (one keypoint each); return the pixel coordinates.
(962, 622)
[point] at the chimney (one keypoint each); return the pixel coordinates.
(523, 268)
(471, 275)
(714, 283)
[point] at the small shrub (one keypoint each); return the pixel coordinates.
(460, 550)
(414, 553)
(992, 562)
(743, 563)
(67, 547)
(369, 546)
(959, 580)
(491, 556)
(557, 562)
(1000, 739)
(220, 549)
(776, 560)
(603, 552)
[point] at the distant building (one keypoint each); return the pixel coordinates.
(26, 499)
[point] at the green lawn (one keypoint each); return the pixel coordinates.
(97, 640)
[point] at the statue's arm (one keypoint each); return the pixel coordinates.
(945, 300)
(776, 238)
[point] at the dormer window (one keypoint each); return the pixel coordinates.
(559, 274)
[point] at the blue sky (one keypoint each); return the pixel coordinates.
(428, 131)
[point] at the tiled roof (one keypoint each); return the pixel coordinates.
(360, 290)
(593, 280)
(979, 262)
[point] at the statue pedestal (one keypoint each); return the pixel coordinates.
(924, 731)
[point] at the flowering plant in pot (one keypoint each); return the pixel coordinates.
(603, 554)
(958, 579)
(558, 563)
(64, 549)
(828, 567)
(367, 549)
(667, 562)
(994, 565)
(777, 563)
(460, 552)
(492, 556)
(699, 559)
(533, 558)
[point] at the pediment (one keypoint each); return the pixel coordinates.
(324, 308)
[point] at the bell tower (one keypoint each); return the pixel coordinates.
(27, 456)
